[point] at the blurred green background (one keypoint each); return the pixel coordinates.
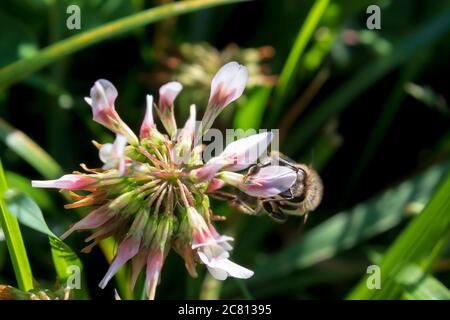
(368, 108)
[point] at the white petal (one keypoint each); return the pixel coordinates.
(218, 274)
(149, 110)
(190, 123)
(103, 94)
(231, 80)
(113, 155)
(244, 152)
(120, 144)
(170, 91)
(270, 181)
(211, 252)
(68, 181)
(105, 152)
(233, 269)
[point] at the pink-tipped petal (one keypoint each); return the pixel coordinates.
(102, 99)
(185, 138)
(209, 170)
(228, 84)
(167, 95)
(148, 124)
(137, 264)
(103, 96)
(127, 250)
(154, 266)
(215, 184)
(93, 220)
(68, 182)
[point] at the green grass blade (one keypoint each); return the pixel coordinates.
(335, 103)
(16, 246)
(29, 150)
(287, 77)
(415, 245)
(20, 69)
(419, 285)
(348, 228)
(250, 114)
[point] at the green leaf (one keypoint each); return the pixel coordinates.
(420, 243)
(28, 213)
(13, 235)
(348, 228)
(290, 68)
(335, 103)
(419, 285)
(19, 182)
(20, 69)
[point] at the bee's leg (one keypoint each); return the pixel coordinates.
(236, 203)
(305, 217)
(241, 206)
(221, 195)
(274, 212)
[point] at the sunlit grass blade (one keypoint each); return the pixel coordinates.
(30, 151)
(20, 69)
(420, 243)
(13, 235)
(286, 80)
(336, 102)
(349, 228)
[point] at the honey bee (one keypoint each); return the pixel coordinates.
(301, 198)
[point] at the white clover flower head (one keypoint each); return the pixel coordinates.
(151, 192)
